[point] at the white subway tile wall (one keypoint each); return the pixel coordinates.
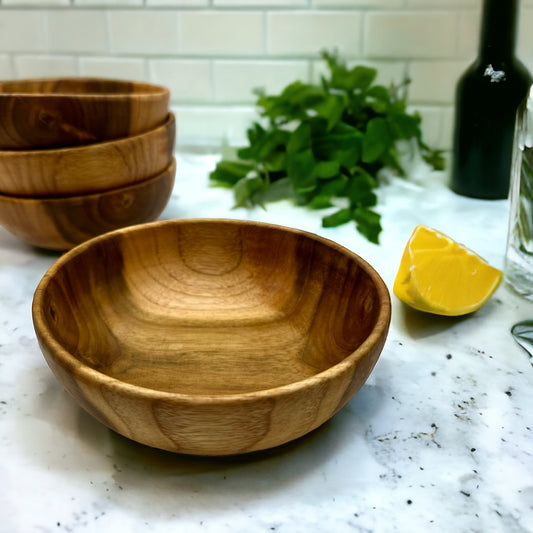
(41, 66)
(189, 80)
(23, 31)
(220, 33)
(402, 34)
(236, 81)
(113, 67)
(79, 31)
(143, 32)
(212, 54)
(468, 32)
(306, 32)
(46, 3)
(5, 66)
(433, 82)
(111, 3)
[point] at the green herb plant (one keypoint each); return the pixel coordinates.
(324, 145)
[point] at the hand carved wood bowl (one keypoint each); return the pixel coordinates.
(57, 112)
(89, 168)
(211, 337)
(61, 223)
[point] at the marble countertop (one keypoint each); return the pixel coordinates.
(440, 438)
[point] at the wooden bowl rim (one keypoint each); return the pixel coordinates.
(75, 366)
(29, 200)
(170, 121)
(151, 89)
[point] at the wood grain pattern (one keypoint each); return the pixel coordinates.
(61, 223)
(90, 168)
(211, 337)
(58, 112)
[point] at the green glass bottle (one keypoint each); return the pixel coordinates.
(487, 97)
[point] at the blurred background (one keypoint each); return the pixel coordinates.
(211, 54)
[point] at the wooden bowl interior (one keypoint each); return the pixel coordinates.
(211, 307)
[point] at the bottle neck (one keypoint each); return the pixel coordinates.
(498, 30)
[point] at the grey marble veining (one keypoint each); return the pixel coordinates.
(440, 438)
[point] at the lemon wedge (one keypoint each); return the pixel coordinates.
(440, 276)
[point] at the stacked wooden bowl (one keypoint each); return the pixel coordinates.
(82, 156)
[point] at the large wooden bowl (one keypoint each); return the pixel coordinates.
(90, 168)
(39, 113)
(62, 223)
(211, 337)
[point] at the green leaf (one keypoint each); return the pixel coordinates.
(272, 141)
(435, 158)
(361, 77)
(377, 139)
(331, 109)
(337, 219)
(276, 161)
(404, 126)
(263, 143)
(302, 94)
(368, 223)
(255, 134)
(327, 169)
(360, 190)
(245, 191)
(300, 139)
(357, 78)
(378, 98)
(248, 153)
(320, 202)
(293, 103)
(333, 187)
(278, 190)
(343, 144)
(300, 169)
(228, 173)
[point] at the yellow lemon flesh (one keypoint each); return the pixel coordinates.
(438, 275)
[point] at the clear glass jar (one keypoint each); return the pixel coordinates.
(519, 255)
